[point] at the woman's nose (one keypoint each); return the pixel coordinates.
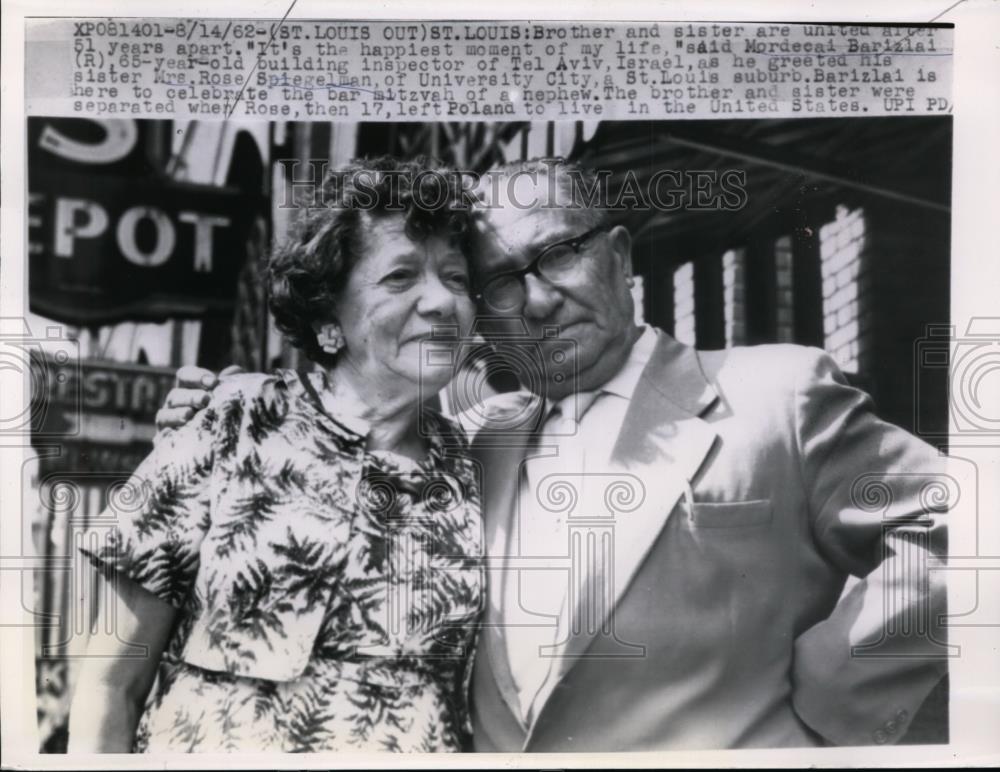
(436, 299)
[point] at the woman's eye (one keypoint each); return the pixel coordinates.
(458, 280)
(398, 276)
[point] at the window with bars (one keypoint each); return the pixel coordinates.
(842, 242)
(734, 296)
(684, 307)
(799, 288)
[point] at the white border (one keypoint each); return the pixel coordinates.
(975, 676)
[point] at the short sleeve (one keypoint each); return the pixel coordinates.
(160, 516)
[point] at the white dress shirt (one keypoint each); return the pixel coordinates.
(576, 440)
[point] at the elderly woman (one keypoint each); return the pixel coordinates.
(300, 571)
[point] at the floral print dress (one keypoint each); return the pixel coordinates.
(327, 595)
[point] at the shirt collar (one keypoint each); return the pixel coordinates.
(314, 387)
(624, 382)
(346, 414)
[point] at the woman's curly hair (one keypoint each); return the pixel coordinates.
(307, 271)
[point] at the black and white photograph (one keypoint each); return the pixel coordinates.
(633, 427)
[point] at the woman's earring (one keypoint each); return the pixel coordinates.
(330, 338)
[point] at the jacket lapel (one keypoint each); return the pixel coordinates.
(662, 444)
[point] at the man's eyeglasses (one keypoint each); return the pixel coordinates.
(556, 263)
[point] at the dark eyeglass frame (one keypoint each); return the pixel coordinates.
(576, 242)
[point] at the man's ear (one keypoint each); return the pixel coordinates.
(621, 245)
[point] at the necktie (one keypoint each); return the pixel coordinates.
(543, 535)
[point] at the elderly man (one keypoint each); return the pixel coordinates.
(668, 544)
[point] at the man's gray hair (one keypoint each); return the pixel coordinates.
(571, 186)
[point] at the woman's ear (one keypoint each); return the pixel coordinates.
(329, 336)
(621, 245)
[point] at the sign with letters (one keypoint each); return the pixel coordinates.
(107, 243)
(101, 413)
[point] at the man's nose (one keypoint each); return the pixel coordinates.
(540, 297)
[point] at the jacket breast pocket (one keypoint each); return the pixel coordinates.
(731, 514)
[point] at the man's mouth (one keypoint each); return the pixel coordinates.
(562, 327)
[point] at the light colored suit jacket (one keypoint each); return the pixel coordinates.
(761, 482)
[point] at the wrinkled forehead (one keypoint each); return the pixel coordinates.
(521, 215)
(386, 240)
(508, 238)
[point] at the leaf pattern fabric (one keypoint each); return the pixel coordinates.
(328, 596)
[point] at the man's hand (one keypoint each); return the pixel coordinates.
(189, 395)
